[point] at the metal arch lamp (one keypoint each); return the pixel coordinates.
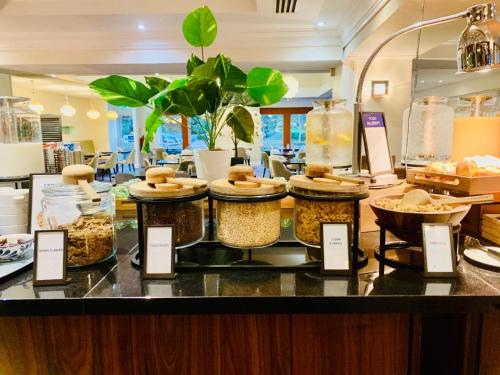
(478, 50)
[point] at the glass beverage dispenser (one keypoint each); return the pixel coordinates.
(428, 131)
(476, 128)
(329, 134)
(20, 138)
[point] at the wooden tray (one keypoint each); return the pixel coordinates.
(124, 205)
(490, 227)
(462, 184)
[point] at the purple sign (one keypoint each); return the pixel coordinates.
(372, 119)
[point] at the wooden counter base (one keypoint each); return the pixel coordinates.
(251, 344)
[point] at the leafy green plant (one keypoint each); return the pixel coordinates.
(214, 89)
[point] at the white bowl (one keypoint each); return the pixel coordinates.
(13, 250)
(12, 229)
(14, 196)
(9, 220)
(14, 209)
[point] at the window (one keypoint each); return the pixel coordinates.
(283, 126)
(196, 141)
(272, 131)
(125, 133)
(170, 136)
(298, 131)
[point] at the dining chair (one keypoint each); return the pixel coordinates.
(301, 155)
(265, 163)
(279, 170)
(158, 154)
(121, 178)
(93, 163)
(108, 165)
(129, 161)
(184, 166)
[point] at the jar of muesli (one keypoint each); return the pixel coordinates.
(90, 226)
(248, 213)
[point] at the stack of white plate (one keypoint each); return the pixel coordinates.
(13, 210)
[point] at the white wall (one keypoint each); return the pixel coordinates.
(398, 71)
(78, 127)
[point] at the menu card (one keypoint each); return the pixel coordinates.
(160, 252)
(376, 143)
(336, 248)
(439, 252)
(51, 251)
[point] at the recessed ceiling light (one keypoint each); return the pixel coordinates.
(440, 81)
(157, 74)
(320, 24)
(141, 27)
(422, 81)
(53, 75)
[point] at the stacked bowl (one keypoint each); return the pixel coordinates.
(13, 210)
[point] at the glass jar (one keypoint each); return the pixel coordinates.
(430, 125)
(313, 207)
(250, 220)
(476, 128)
(329, 131)
(18, 123)
(90, 226)
(185, 213)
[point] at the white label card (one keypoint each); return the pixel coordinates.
(438, 249)
(336, 247)
(50, 264)
(159, 258)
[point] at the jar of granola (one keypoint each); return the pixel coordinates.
(248, 213)
(320, 201)
(90, 226)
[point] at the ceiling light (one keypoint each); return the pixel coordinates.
(157, 74)
(440, 81)
(111, 115)
(67, 110)
(93, 114)
(141, 27)
(53, 75)
(292, 84)
(422, 81)
(36, 107)
(320, 24)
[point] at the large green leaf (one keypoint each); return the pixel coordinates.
(241, 121)
(192, 63)
(220, 70)
(153, 122)
(266, 85)
(200, 27)
(156, 84)
(122, 91)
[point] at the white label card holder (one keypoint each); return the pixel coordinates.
(50, 257)
(336, 248)
(159, 255)
(439, 250)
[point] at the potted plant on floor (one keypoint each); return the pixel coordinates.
(213, 94)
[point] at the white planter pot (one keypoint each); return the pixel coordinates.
(212, 165)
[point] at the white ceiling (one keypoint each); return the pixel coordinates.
(96, 36)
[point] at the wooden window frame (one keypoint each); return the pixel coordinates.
(287, 115)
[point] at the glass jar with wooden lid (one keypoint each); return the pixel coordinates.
(248, 208)
(321, 197)
(163, 199)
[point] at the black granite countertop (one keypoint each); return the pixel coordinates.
(116, 287)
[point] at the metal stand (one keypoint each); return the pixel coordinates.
(402, 246)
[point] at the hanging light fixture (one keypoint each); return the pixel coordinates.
(35, 106)
(67, 110)
(293, 86)
(112, 115)
(93, 114)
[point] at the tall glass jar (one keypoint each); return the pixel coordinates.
(329, 131)
(90, 226)
(427, 131)
(476, 129)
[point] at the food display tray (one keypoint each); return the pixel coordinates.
(10, 269)
(490, 227)
(460, 184)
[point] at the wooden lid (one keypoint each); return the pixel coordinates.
(327, 186)
(76, 172)
(163, 190)
(225, 187)
(239, 172)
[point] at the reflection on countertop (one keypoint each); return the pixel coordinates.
(115, 285)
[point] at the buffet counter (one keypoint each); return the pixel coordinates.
(108, 320)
